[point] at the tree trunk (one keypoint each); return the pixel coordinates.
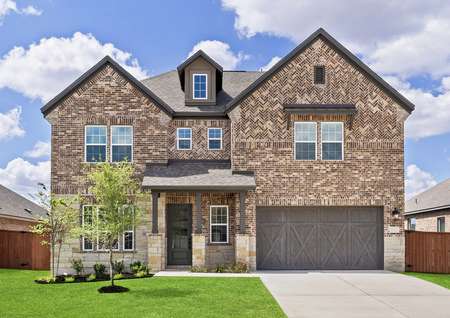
(53, 257)
(111, 275)
(58, 257)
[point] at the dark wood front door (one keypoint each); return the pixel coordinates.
(179, 230)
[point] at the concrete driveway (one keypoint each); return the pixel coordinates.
(356, 294)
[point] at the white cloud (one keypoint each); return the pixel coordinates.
(271, 63)
(45, 68)
(10, 124)
(30, 10)
(432, 114)
(10, 6)
(422, 52)
(417, 181)
(220, 52)
(23, 176)
(40, 149)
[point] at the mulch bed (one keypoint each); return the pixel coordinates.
(112, 289)
(83, 279)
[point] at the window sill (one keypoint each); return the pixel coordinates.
(219, 244)
(106, 252)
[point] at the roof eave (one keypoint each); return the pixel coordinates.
(427, 210)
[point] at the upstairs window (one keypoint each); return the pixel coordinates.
(184, 138)
(412, 224)
(332, 141)
(219, 224)
(214, 138)
(121, 143)
(305, 136)
(200, 85)
(95, 143)
(319, 74)
(441, 224)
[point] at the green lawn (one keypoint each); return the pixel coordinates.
(148, 297)
(439, 279)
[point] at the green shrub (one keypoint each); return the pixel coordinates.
(69, 279)
(221, 268)
(118, 276)
(91, 278)
(99, 269)
(199, 269)
(118, 267)
(77, 265)
(239, 268)
(140, 274)
(138, 267)
(47, 279)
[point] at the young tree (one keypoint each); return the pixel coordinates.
(116, 192)
(61, 220)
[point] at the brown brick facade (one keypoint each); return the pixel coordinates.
(200, 139)
(258, 137)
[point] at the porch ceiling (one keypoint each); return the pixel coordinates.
(199, 175)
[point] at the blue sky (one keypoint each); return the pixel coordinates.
(47, 44)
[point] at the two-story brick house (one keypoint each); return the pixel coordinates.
(299, 167)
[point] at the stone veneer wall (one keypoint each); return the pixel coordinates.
(199, 139)
(372, 172)
(73, 248)
(427, 222)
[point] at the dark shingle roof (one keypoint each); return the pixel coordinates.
(197, 175)
(435, 198)
(13, 204)
(167, 87)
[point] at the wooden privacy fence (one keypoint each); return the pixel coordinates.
(427, 252)
(23, 250)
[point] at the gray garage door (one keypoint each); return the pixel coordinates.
(319, 238)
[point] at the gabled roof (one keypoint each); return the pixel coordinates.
(167, 87)
(321, 33)
(192, 58)
(106, 60)
(435, 198)
(15, 205)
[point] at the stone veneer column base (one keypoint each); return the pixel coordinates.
(156, 252)
(246, 250)
(394, 253)
(198, 250)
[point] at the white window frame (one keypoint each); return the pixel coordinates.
(82, 224)
(86, 144)
(193, 86)
(111, 141)
(438, 227)
(220, 139)
(212, 224)
(410, 223)
(306, 142)
(133, 232)
(322, 142)
(184, 138)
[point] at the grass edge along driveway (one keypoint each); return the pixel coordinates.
(438, 279)
(148, 297)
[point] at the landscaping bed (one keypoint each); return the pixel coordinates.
(68, 279)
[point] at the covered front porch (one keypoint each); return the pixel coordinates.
(202, 215)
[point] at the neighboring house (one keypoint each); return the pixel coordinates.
(19, 248)
(299, 167)
(429, 211)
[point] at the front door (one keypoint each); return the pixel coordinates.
(179, 230)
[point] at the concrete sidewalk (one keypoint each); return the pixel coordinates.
(356, 294)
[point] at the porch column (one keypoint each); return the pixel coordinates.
(155, 212)
(242, 213)
(198, 238)
(156, 240)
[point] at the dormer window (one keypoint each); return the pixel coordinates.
(200, 85)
